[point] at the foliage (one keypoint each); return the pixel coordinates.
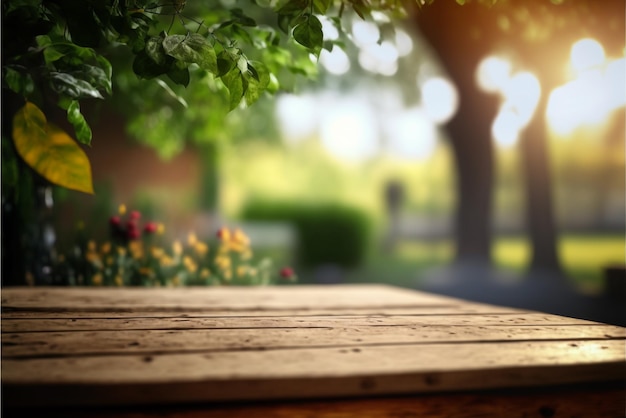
(327, 234)
(137, 255)
(58, 51)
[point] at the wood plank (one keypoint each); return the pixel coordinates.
(306, 373)
(10, 312)
(116, 342)
(219, 298)
(529, 320)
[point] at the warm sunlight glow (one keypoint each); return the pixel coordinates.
(520, 93)
(598, 89)
(440, 99)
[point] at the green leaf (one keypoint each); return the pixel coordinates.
(50, 151)
(145, 67)
(361, 9)
(52, 54)
(321, 6)
(18, 81)
(43, 40)
(179, 75)
(258, 82)
(284, 21)
(293, 7)
(225, 63)
(309, 34)
(69, 85)
(95, 76)
(154, 49)
(81, 127)
(234, 82)
(192, 48)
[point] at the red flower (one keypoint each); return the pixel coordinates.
(150, 228)
(135, 215)
(286, 273)
(115, 220)
(133, 233)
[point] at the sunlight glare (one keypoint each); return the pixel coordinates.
(297, 116)
(335, 62)
(365, 33)
(349, 131)
(493, 73)
(616, 78)
(585, 54)
(328, 29)
(598, 89)
(412, 135)
(404, 43)
(506, 128)
(522, 93)
(382, 59)
(440, 99)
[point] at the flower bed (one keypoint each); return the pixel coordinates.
(137, 254)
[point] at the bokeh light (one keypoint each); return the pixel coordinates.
(520, 94)
(440, 98)
(599, 88)
(493, 73)
(586, 54)
(336, 61)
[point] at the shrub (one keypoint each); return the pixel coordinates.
(328, 233)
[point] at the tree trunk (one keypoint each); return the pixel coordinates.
(443, 24)
(540, 222)
(472, 148)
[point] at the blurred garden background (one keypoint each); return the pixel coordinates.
(360, 175)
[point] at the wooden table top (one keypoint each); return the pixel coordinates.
(106, 346)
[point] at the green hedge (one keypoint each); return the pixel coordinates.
(327, 234)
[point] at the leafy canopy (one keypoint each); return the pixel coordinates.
(56, 54)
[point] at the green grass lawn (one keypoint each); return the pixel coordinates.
(583, 258)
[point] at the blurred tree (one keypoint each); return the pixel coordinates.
(540, 33)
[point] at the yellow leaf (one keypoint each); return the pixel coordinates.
(50, 151)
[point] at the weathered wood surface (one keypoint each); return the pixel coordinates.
(78, 346)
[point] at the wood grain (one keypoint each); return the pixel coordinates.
(148, 341)
(97, 347)
(216, 298)
(297, 321)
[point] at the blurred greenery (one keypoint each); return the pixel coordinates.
(327, 234)
(584, 258)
